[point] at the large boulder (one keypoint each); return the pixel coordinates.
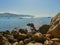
(44, 28)
(55, 26)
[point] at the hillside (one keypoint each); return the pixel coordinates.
(13, 15)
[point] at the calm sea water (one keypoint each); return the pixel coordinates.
(11, 23)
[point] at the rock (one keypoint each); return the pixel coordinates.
(23, 31)
(55, 26)
(15, 33)
(21, 43)
(29, 35)
(6, 43)
(48, 36)
(48, 42)
(44, 28)
(21, 36)
(34, 43)
(37, 36)
(56, 39)
(30, 44)
(27, 40)
(32, 27)
(38, 44)
(16, 43)
(11, 38)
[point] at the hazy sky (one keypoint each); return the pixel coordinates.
(31, 7)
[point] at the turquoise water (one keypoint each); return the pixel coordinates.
(11, 23)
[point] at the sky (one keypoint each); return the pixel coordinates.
(42, 8)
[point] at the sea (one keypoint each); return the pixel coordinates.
(12, 23)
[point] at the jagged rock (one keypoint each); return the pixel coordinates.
(55, 26)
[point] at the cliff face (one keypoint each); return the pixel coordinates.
(55, 26)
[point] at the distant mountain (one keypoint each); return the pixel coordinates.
(14, 15)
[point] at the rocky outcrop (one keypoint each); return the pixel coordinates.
(55, 26)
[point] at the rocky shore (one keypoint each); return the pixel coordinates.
(45, 35)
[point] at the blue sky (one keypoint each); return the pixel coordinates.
(37, 8)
